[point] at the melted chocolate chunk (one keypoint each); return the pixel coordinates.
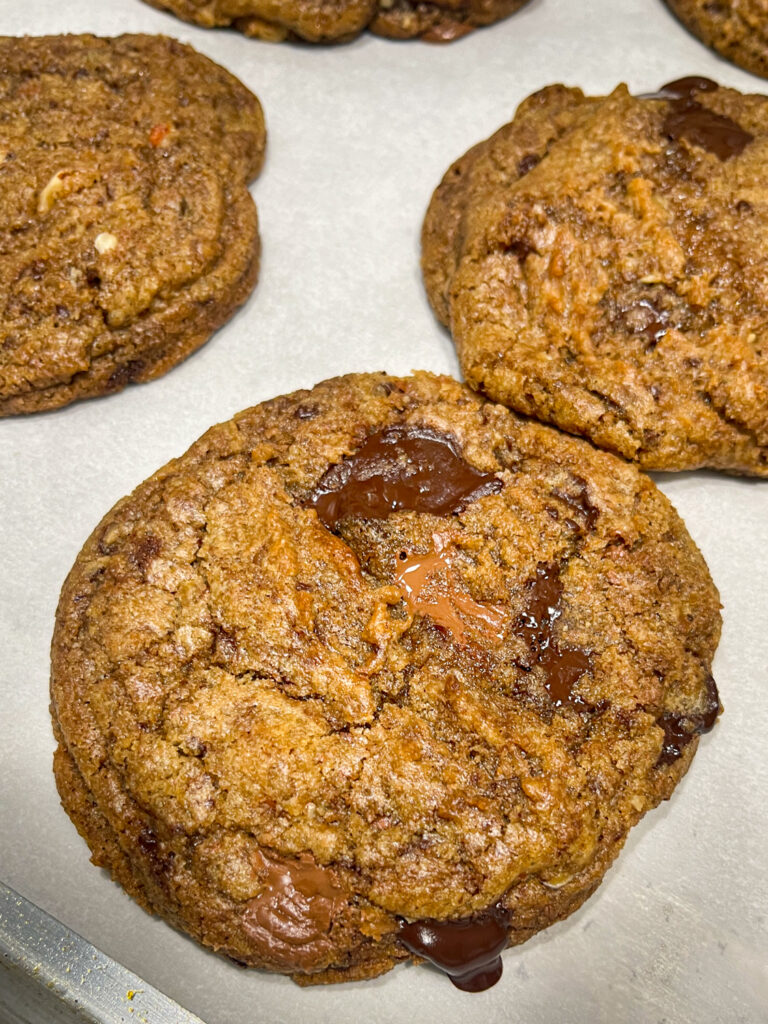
(563, 666)
(684, 88)
(430, 586)
(688, 119)
(702, 127)
(401, 468)
(468, 950)
(679, 730)
(291, 918)
(580, 503)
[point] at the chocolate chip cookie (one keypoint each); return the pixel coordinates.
(127, 234)
(602, 266)
(737, 29)
(378, 671)
(318, 21)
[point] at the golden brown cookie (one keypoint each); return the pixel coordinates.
(378, 670)
(127, 232)
(338, 21)
(737, 29)
(602, 266)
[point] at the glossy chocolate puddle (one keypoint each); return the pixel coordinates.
(688, 119)
(679, 730)
(563, 666)
(399, 468)
(468, 950)
(431, 586)
(291, 918)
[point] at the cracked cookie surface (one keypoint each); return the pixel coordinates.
(338, 21)
(128, 234)
(374, 661)
(602, 265)
(737, 29)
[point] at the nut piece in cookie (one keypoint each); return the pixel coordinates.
(736, 29)
(318, 21)
(378, 671)
(602, 266)
(128, 232)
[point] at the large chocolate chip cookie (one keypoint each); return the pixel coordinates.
(602, 264)
(127, 233)
(375, 671)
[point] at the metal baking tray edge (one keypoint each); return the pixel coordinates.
(50, 975)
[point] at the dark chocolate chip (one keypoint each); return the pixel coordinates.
(563, 666)
(580, 503)
(703, 127)
(684, 88)
(688, 119)
(679, 730)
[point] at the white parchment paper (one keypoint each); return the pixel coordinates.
(359, 135)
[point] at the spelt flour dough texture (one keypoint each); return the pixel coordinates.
(127, 232)
(602, 264)
(378, 671)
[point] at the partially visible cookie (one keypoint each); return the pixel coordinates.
(378, 671)
(737, 29)
(127, 232)
(338, 21)
(602, 264)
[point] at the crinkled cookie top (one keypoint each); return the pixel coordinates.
(127, 233)
(391, 632)
(602, 264)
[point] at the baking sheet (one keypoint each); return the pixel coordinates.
(50, 975)
(359, 136)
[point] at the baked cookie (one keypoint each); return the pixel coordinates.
(378, 671)
(737, 29)
(602, 264)
(338, 21)
(127, 233)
